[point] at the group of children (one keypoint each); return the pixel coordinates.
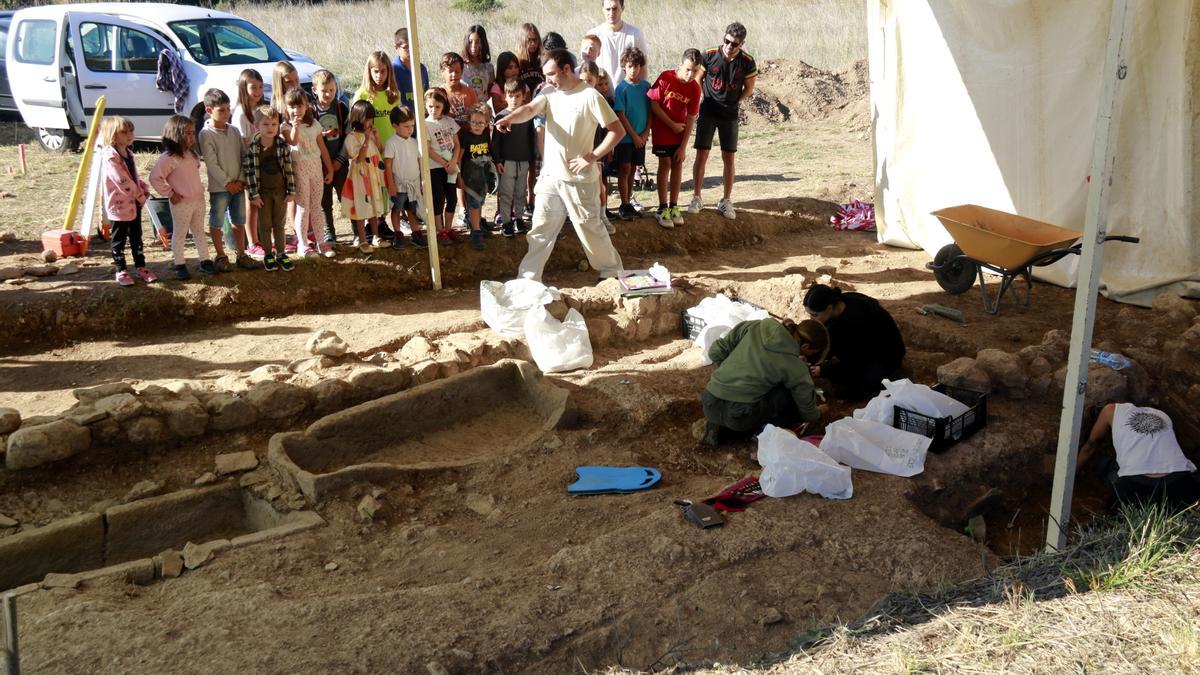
(274, 167)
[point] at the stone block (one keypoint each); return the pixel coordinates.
(228, 412)
(10, 420)
(146, 431)
(236, 462)
(147, 526)
(102, 391)
(33, 446)
(326, 343)
(376, 382)
(1004, 369)
(68, 545)
(964, 372)
(417, 349)
(121, 407)
(185, 417)
(276, 400)
(330, 396)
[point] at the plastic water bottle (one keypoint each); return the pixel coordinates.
(1114, 361)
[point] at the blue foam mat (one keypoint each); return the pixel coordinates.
(594, 480)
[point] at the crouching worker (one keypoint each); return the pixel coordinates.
(762, 378)
(1150, 465)
(867, 345)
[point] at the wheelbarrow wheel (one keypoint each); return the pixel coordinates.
(954, 272)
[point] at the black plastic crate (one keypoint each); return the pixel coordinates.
(945, 431)
(692, 326)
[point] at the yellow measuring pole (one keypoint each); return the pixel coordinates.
(84, 165)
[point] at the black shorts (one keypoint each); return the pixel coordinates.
(627, 154)
(726, 129)
(666, 150)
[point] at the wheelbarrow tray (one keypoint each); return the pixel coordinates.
(1002, 239)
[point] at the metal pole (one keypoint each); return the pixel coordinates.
(414, 52)
(12, 657)
(1094, 230)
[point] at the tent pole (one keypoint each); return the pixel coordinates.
(414, 51)
(1088, 282)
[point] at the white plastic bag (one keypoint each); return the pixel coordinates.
(791, 466)
(720, 315)
(872, 446)
(558, 347)
(504, 305)
(922, 399)
(879, 409)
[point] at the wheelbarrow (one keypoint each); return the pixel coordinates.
(1004, 243)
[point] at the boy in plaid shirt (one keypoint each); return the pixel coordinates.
(270, 184)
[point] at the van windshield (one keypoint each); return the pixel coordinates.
(226, 42)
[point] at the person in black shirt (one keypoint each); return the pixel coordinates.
(478, 172)
(865, 343)
(729, 76)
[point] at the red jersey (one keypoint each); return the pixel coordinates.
(678, 99)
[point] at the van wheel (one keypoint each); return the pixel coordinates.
(58, 140)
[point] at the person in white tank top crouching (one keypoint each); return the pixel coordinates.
(1150, 464)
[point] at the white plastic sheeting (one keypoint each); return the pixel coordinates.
(994, 102)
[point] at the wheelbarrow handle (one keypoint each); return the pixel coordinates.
(1118, 237)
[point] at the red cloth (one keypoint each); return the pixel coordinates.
(678, 99)
(736, 497)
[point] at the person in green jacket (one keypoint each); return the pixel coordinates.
(762, 378)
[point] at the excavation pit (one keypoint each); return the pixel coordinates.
(92, 542)
(483, 414)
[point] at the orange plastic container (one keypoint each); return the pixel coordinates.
(1002, 239)
(66, 243)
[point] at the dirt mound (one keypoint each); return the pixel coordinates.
(790, 90)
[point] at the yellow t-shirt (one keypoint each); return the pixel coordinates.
(572, 117)
(383, 112)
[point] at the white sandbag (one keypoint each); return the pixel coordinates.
(557, 346)
(720, 315)
(922, 399)
(879, 409)
(504, 305)
(791, 466)
(873, 446)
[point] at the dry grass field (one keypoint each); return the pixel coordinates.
(829, 34)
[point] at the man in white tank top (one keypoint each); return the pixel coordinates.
(1149, 459)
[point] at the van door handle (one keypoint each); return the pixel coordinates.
(94, 86)
(49, 78)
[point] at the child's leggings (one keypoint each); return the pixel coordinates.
(188, 216)
(510, 193)
(310, 221)
(131, 230)
(444, 198)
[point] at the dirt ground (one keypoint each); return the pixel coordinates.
(540, 582)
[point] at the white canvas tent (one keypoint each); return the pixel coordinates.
(994, 102)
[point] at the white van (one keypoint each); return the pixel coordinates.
(61, 58)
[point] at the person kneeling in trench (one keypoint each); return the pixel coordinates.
(762, 378)
(1150, 465)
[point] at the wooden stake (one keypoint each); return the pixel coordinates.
(21, 155)
(414, 53)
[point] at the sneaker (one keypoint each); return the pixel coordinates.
(527, 216)
(269, 262)
(712, 435)
(627, 212)
(289, 246)
(696, 204)
(181, 273)
(356, 242)
(676, 215)
(380, 242)
(498, 220)
(445, 237)
(124, 278)
(207, 267)
(146, 275)
(608, 226)
(330, 235)
(327, 250)
(461, 220)
(366, 248)
(256, 252)
(398, 241)
(663, 216)
(246, 262)
(477, 240)
(635, 203)
(523, 226)
(385, 230)
(418, 240)
(611, 215)
(509, 230)
(489, 227)
(285, 263)
(725, 208)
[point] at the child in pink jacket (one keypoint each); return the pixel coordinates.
(124, 195)
(176, 176)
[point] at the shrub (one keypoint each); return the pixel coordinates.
(478, 6)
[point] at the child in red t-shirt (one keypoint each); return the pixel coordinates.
(674, 103)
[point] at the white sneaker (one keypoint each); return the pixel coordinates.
(696, 204)
(725, 208)
(379, 242)
(612, 229)
(676, 216)
(634, 203)
(663, 216)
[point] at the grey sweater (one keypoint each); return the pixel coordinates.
(222, 150)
